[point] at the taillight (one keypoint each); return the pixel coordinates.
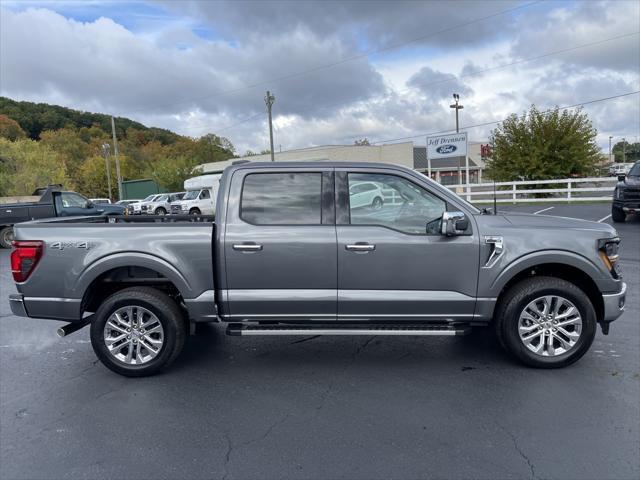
(25, 256)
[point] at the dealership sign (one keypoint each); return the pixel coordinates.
(444, 146)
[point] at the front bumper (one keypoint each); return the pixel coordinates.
(628, 206)
(614, 304)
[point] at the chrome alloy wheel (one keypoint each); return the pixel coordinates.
(133, 335)
(550, 326)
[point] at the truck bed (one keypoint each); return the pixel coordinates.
(80, 251)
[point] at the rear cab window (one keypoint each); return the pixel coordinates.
(287, 198)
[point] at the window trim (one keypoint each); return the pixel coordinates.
(284, 172)
(346, 209)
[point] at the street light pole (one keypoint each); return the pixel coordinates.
(610, 137)
(269, 99)
(457, 106)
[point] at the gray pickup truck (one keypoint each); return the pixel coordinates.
(322, 249)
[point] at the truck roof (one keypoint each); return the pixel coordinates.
(316, 164)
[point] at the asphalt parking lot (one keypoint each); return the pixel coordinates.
(328, 407)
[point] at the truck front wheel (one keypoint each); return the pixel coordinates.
(194, 211)
(617, 214)
(546, 322)
(138, 331)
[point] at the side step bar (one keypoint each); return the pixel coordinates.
(407, 330)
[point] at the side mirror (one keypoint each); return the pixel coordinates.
(621, 177)
(454, 223)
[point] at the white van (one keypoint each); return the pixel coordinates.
(200, 196)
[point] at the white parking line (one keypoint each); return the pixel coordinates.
(543, 210)
(604, 218)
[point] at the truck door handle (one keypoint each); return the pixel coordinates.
(247, 247)
(360, 247)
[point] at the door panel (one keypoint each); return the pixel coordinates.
(277, 270)
(393, 263)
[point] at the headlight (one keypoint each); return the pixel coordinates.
(608, 251)
(619, 194)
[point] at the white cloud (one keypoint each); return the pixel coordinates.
(166, 74)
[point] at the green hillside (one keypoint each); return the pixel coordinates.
(42, 144)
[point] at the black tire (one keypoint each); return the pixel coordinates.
(377, 203)
(169, 315)
(519, 296)
(6, 237)
(194, 211)
(160, 211)
(618, 215)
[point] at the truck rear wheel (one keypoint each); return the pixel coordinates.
(618, 215)
(6, 237)
(546, 322)
(138, 331)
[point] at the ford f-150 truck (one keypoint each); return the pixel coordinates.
(291, 254)
(626, 195)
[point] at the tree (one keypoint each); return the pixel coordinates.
(71, 149)
(626, 152)
(362, 142)
(10, 129)
(539, 146)
(26, 165)
(171, 173)
(212, 148)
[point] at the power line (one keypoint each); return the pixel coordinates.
(360, 55)
(502, 120)
(470, 74)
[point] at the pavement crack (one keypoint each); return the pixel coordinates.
(361, 348)
(514, 440)
(305, 339)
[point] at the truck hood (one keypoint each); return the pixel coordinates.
(630, 181)
(527, 220)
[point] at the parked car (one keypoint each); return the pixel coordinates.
(54, 202)
(200, 196)
(366, 194)
(619, 169)
(101, 201)
(162, 204)
(141, 207)
(626, 195)
(290, 255)
(126, 203)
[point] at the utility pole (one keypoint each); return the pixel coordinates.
(624, 150)
(115, 154)
(106, 148)
(269, 99)
(457, 106)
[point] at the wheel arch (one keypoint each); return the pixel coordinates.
(565, 271)
(116, 272)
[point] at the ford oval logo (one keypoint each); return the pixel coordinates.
(443, 149)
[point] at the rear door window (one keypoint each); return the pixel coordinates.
(282, 199)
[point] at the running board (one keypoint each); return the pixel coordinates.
(414, 330)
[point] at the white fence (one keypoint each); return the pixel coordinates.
(566, 189)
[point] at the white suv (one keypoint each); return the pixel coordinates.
(366, 194)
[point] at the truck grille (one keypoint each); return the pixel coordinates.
(176, 209)
(632, 194)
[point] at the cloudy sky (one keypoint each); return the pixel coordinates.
(340, 70)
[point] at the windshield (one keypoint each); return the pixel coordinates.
(635, 170)
(191, 195)
(149, 198)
